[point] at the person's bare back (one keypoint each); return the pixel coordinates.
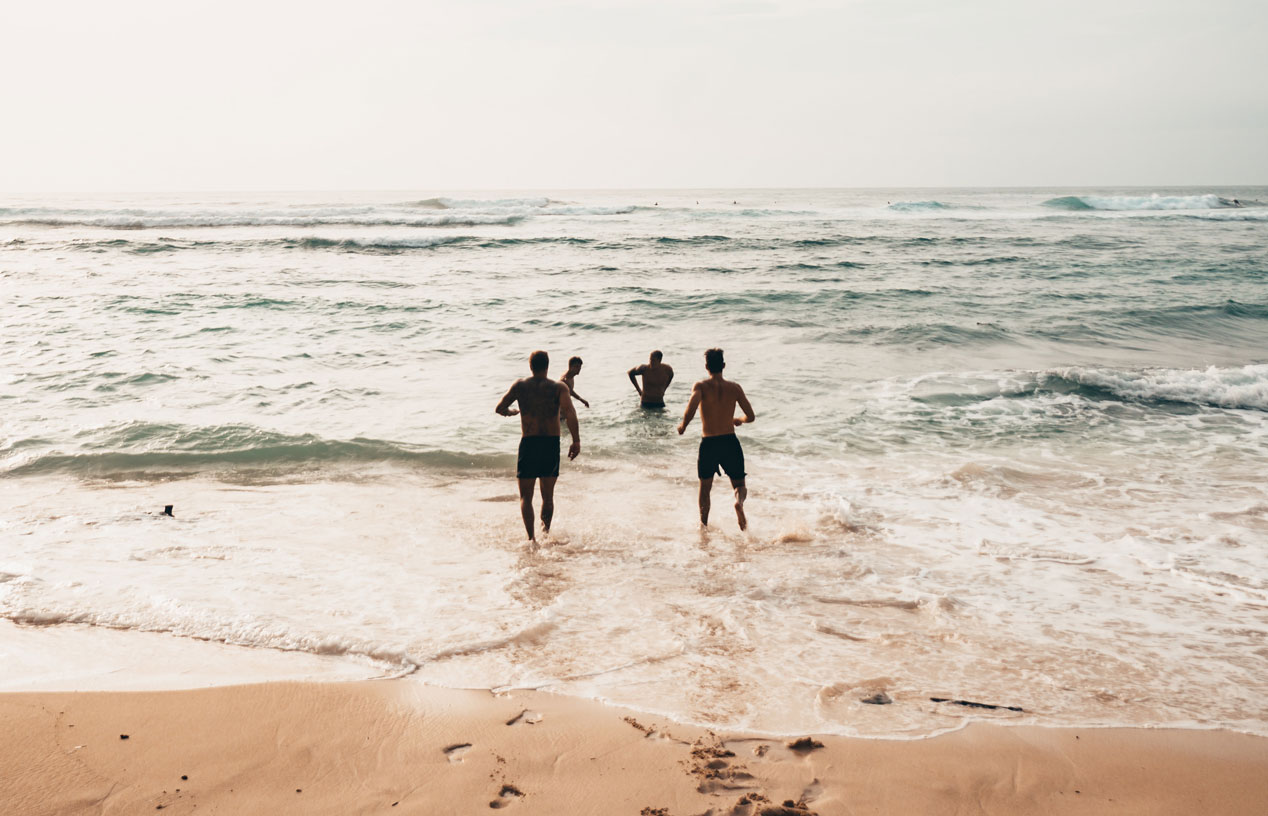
(539, 399)
(718, 398)
(656, 379)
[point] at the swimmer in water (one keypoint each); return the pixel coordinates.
(570, 376)
(656, 379)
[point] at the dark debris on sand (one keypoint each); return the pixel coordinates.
(971, 704)
(805, 745)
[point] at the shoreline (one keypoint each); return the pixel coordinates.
(399, 746)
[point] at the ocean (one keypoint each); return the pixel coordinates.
(1010, 446)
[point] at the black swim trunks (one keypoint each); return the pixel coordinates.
(653, 404)
(539, 457)
(720, 452)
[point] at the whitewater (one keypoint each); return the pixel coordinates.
(1010, 448)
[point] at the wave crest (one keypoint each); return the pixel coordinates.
(146, 451)
(1076, 203)
(1245, 387)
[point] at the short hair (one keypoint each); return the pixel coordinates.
(574, 361)
(713, 360)
(656, 355)
(539, 361)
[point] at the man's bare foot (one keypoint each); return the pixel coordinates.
(739, 514)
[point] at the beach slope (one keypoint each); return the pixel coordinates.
(399, 747)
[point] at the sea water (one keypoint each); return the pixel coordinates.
(1010, 448)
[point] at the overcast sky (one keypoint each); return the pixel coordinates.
(461, 94)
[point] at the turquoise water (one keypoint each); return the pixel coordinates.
(985, 403)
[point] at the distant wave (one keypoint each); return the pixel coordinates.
(533, 206)
(929, 206)
(158, 220)
(369, 244)
(375, 244)
(589, 210)
(1209, 201)
(141, 450)
(472, 203)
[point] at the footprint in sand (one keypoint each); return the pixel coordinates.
(509, 795)
(525, 717)
(455, 753)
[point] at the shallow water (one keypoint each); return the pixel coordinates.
(1010, 444)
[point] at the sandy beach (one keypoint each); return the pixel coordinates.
(398, 746)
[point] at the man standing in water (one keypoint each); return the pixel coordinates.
(570, 377)
(719, 448)
(656, 378)
(542, 401)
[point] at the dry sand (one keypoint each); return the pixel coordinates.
(398, 747)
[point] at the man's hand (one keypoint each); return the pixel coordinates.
(574, 449)
(738, 421)
(682, 428)
(583, 402)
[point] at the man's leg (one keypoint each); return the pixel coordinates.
(705, 486)
(548, 501)
(741, 493)
(526, 505)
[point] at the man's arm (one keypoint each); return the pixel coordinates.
(749, 416)
(574, 393)
(504, 407)
(692, 405)
(671, 376)
(570, 416)
(634, 372)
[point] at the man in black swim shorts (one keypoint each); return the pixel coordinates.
(656, 379)
(719, 448)
(542, 401)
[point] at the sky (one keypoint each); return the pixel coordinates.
(142, 95)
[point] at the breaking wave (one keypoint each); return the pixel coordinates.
(1238, 388)
(141, 450)
(928, 206)
(1209, 201)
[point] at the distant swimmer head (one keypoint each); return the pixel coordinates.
(656, 356)
(539, 361)
(574, 364)
(713, 361)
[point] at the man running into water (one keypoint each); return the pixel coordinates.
(542, 401)
(656, 378)
(574, 368)
(720, 447)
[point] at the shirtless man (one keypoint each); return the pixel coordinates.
(542, 402)
(574, 368)
(656, 378)
(719, 448)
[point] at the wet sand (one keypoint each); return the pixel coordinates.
(399, 747)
